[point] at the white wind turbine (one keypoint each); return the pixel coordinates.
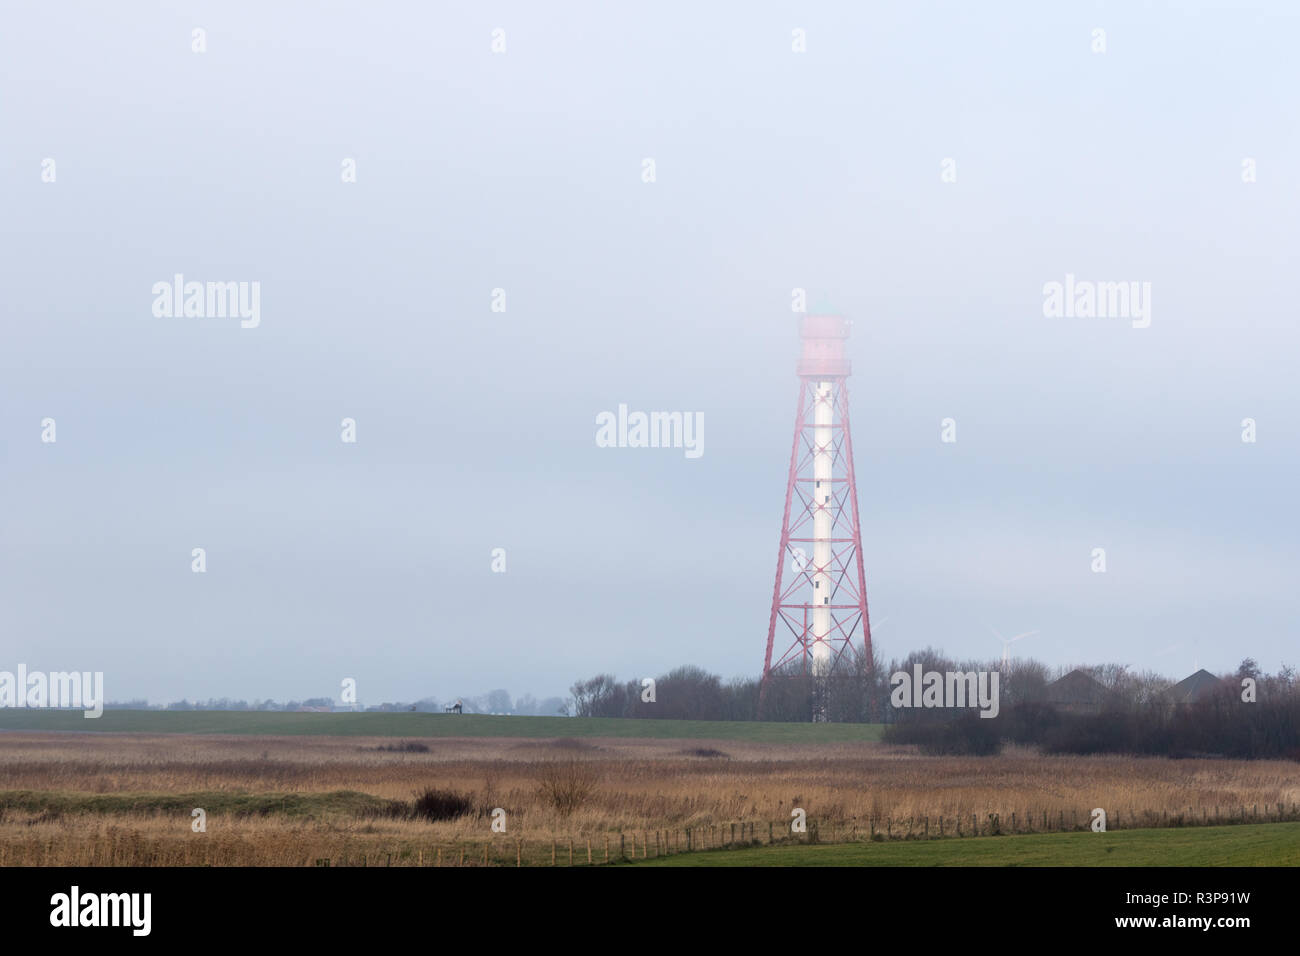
(875, 626)
(1007, 642)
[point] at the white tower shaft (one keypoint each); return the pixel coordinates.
(822, 503)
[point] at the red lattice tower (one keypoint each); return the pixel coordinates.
(819, 615)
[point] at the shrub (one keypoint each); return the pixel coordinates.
(434, 804)
(567, 784)
(395, 810)
(964, 734)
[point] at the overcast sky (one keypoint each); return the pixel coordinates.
(523, 171)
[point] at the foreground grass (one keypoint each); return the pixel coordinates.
(157, 840)
(426, 725)
(1269, 844)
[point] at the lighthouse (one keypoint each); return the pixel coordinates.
(819, 621)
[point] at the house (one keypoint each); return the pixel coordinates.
(1199, 686)
(1078, 692)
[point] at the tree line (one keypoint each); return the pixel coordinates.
(1129, 712)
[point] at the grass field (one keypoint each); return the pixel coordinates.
(275, 723)
(1272, 844)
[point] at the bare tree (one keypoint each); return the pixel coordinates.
(592, 696)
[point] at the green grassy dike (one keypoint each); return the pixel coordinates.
(1258, 844)
(274, 723)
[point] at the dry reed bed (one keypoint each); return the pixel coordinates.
(142, 840)
(637, 785)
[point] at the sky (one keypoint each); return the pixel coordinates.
(1169, 158)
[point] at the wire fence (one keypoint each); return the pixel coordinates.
(631, 845)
